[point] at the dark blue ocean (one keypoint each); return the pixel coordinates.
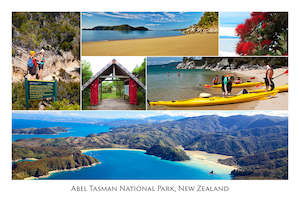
(97, 35)
(75, 129)
(134, 165)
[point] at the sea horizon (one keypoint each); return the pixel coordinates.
(109, 35)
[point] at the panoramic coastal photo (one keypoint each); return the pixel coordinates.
(253, 34)
(149, 33)
(113, 83)
(45, 60)
(150, 145)
(217, 83)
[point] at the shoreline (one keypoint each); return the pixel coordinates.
(57, 171)
(25, 159)
(197, 158)
(202, 159)
(103, 149)
(184, 45)
(210, 161)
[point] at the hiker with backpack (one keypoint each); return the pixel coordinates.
(41, 62)
(32, 65)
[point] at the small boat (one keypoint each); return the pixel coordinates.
(234, 85)
(282, 88)
(211, 172)
(211, 101)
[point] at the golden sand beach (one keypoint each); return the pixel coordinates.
(186, 45)
(210, 160)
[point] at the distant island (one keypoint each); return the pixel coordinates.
(258, 144)
(123, 27)
(39, 131)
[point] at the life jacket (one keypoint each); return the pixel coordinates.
(42, 61)
(216, 80)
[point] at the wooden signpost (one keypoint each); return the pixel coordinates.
(39, 90)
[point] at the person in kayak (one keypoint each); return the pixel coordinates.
(238, 81)
(216, 80)
(41, 62)
(269, 78)
(32, 65)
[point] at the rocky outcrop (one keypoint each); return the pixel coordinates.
(223, 64)
(197, 29)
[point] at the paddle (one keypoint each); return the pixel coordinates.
(286, 72)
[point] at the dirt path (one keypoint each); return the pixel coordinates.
(114, 104)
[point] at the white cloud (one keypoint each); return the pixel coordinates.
(88, 14)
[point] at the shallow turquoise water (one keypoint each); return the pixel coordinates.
(169, 83)
(98, 35)
(127, 164)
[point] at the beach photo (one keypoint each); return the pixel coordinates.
(45, 60)
(113, 83)
(150, 145)
(149, 33)
(253, 34)
(217, 83)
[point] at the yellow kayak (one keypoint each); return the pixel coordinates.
(246, 84)
(217, 100)
(282, 88)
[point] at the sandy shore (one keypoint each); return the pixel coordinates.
(103, 149)
(280, 101)
(186, 45)
(56, 171)
(210, 161)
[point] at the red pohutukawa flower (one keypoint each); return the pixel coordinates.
(240, 29)
(239, 47)
(248, 48)
(265, 42)
(245, 48)
(257, 26)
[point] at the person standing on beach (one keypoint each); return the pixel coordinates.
(41, 62)
(269, 76)
(224, 85)
(32, 65)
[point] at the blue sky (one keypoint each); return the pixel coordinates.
(132, 114)
(164, 60)
(230, 19)
(151, 20)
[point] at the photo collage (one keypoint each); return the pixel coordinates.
(165, 95)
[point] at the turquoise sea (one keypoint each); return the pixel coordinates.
(169, 83)
(74, 129)
(98, 35)
(135, 165)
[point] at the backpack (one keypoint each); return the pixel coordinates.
(30, 63)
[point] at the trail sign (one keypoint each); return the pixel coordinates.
(39, 90)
